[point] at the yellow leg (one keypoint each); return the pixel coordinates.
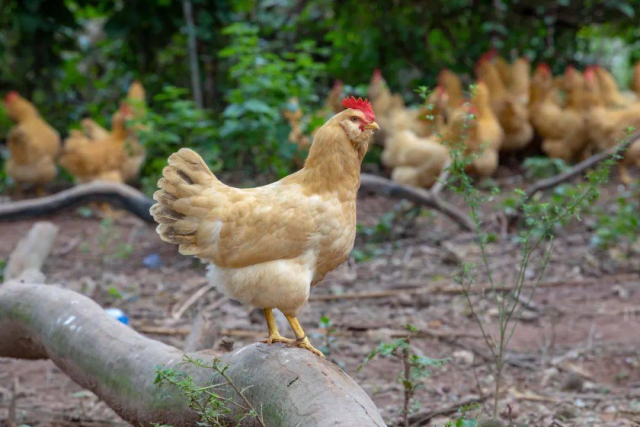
(274, 335)
(301, 338)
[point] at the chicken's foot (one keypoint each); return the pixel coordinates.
(301, 338)
(274, 335)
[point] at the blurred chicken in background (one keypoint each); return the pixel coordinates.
(32, 143)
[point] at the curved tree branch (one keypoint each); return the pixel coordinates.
(120, 195)
(386, 187)
(290, 385)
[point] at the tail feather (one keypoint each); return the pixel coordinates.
(180, 208)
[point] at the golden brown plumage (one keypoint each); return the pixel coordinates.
(563, 130)
(98, 160)
(268, 245)
(33, 144)
(485, 135)
(415, 161)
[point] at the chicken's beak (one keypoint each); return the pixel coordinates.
(372, 125)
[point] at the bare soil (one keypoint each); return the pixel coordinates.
(573, 359)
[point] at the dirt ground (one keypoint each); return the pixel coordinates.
(573, 360)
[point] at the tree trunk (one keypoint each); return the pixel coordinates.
(187, 8)
(290, 386)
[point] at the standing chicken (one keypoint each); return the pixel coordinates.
(33, 144)
(267, 246)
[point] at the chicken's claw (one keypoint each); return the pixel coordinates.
(306, 344)
(274, 338)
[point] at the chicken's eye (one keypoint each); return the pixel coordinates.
(354, 119)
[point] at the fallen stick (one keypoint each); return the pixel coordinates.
(123, 196)
(574, 172)
(29, 255)
(292, 386)
(386, 187)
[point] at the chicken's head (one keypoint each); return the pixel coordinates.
(358, 120)
(17, 107)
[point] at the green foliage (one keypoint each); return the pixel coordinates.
(543, 167)
(618, 224)
(175, 122)
(415, 367)
(539, 219)
(264, 80)
(329, 339)
(213, 408)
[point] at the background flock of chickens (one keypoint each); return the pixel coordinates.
(508, 109)
(93, 153)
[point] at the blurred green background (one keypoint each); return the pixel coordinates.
(76, 59)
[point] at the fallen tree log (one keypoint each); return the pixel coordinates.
(289, 386)
(120, 195)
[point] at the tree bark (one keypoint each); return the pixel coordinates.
(290, 386)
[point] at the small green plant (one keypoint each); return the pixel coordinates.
(3, 265)
(463, 418)
(618, 225)
(415, 368)
(536, 229)
(213, 408)
(327, 325)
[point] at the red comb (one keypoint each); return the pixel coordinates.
(11, 96)
(362, 105)
(590, 73)
(544, 68)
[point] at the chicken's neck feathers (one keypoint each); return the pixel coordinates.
(333, 164)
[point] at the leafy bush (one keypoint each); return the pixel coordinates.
(263, 81)
(175, 122)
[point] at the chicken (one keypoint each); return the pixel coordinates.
(90, 160)
(520, 80)
(386, 104)
(485, 135)
(93, 130)
(415, 161)
(518, 132)
(510, 107)
(450, 83)
(498, 93)
(609, 92)
(504, 70)
(608, 126)
(33, 144)
(268, 246)
(563, 130)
